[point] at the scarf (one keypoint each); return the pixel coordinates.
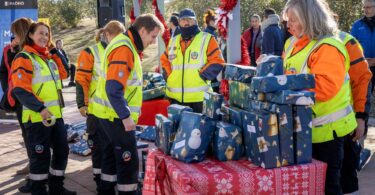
(189, 32)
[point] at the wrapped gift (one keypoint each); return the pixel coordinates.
(250, 129)
(285, 127)
(233, 115)
(302, 134)
(257, 96)
(265, 126)
(283, 82)
(146, 132)
(239, 73)
(193, 137)
(212, 104)
(227, 142)
(238, 94)
(270, 66)
(81, 148)
(292, 97)
(152, 80)
(164, 133)
(174, 113)
(154, 93)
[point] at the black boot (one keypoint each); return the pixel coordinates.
(26, 188)
(97, 181)
(38, 187)
(56, 186)
(62, 191)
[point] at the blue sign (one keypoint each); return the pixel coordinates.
(11, 10)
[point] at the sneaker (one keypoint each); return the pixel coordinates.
(364, 157)
(27, 187)
(23, 171)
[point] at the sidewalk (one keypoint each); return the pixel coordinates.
(79, 172)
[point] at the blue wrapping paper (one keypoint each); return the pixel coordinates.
(257, 96)
(146, 132)
(212, 104)
(250, 130)
(239, 73)
(265, 126)
(302, 134)
(153, 93)
(285, 127)
(174, 113)
(81, 148)
(165, 133)
(283, 82)
(292, 97)
(193, 137)
(270, 66)
(233, 115)
(239, 94)
(227, 144)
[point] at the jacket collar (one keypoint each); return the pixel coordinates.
(135, 38)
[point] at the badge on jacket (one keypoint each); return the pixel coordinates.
(194, 55)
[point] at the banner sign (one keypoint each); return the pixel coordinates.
(11, 10)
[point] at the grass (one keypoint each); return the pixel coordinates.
(77, 39)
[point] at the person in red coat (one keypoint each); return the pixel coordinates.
(253, 36)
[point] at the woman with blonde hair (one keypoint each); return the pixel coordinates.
(314, 49)
(87, 76)
(8, 103)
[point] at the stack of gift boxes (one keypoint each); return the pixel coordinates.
(153, 86)
(268, 119)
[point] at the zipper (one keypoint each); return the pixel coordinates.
(40, 89)
(92, 93)
(183, 72)
(131, 95)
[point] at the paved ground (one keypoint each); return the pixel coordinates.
(79, 172)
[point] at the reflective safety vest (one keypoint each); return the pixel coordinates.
(184, 84)
(133, 90)
(45, 85)
(98, 53)
(335, 114)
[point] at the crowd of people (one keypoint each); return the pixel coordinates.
(108, 81)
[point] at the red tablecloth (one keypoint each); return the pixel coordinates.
(150, 109)
(233, 177)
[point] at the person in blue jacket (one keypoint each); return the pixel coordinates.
(272, 41)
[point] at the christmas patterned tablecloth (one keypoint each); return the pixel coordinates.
(165, 175)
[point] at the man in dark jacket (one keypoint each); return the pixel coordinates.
(174, 28)
(273, 41)
(64, 57)
(253, 36)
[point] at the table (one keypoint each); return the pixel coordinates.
(165, 175)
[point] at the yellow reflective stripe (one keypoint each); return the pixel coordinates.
(41, 79)
(38, 177)
(342, 36)
(319, 121)
(186, 66)
(170, 51)
(189, 90)
(56, 172)
(304, 66)
(134, 83)
(291, 43)
(109, 178)
(46, 104)
(108, 104)
(201, 57)
(127, 187)
(96, 171)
